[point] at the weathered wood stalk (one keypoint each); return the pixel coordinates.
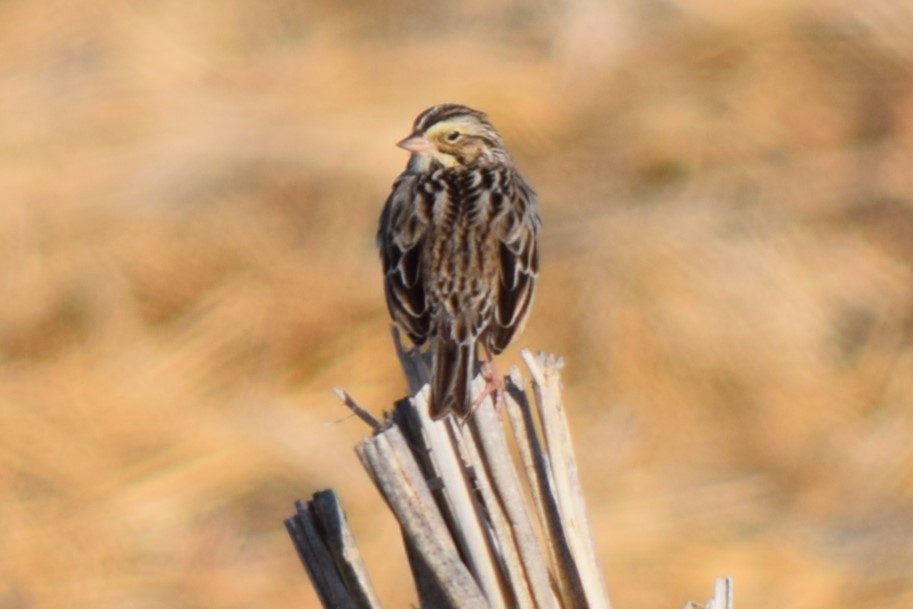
(491, 508)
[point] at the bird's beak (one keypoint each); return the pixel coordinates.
(415, 143)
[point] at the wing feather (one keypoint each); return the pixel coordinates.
(400, 238)
(519, 258)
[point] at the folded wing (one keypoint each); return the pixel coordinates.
(400, 239)
(519, 256)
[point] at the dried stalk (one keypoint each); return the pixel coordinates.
(491, 508)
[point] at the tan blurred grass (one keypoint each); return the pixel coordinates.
(189, 200)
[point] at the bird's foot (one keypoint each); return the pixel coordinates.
(494, 386)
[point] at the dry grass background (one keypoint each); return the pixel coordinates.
(189, 197)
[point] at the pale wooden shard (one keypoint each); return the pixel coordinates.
(491, 508)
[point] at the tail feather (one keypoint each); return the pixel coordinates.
(451, 375)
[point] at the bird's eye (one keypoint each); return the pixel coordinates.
(453, 136)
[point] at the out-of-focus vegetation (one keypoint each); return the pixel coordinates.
(188, 199)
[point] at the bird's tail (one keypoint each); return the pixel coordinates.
(451, 375)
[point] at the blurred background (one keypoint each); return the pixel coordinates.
(188, 199)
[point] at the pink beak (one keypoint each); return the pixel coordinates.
(415, 143)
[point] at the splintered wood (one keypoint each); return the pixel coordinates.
(491, 508)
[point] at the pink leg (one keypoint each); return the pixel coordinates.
(494, 382)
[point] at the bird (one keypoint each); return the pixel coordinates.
(458, 245)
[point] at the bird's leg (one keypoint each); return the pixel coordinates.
(494, 382)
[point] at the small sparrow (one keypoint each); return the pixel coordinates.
(457, 239)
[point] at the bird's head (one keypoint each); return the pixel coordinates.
(452, 135)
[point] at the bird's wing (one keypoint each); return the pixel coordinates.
(400, 238)
(519, 255)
